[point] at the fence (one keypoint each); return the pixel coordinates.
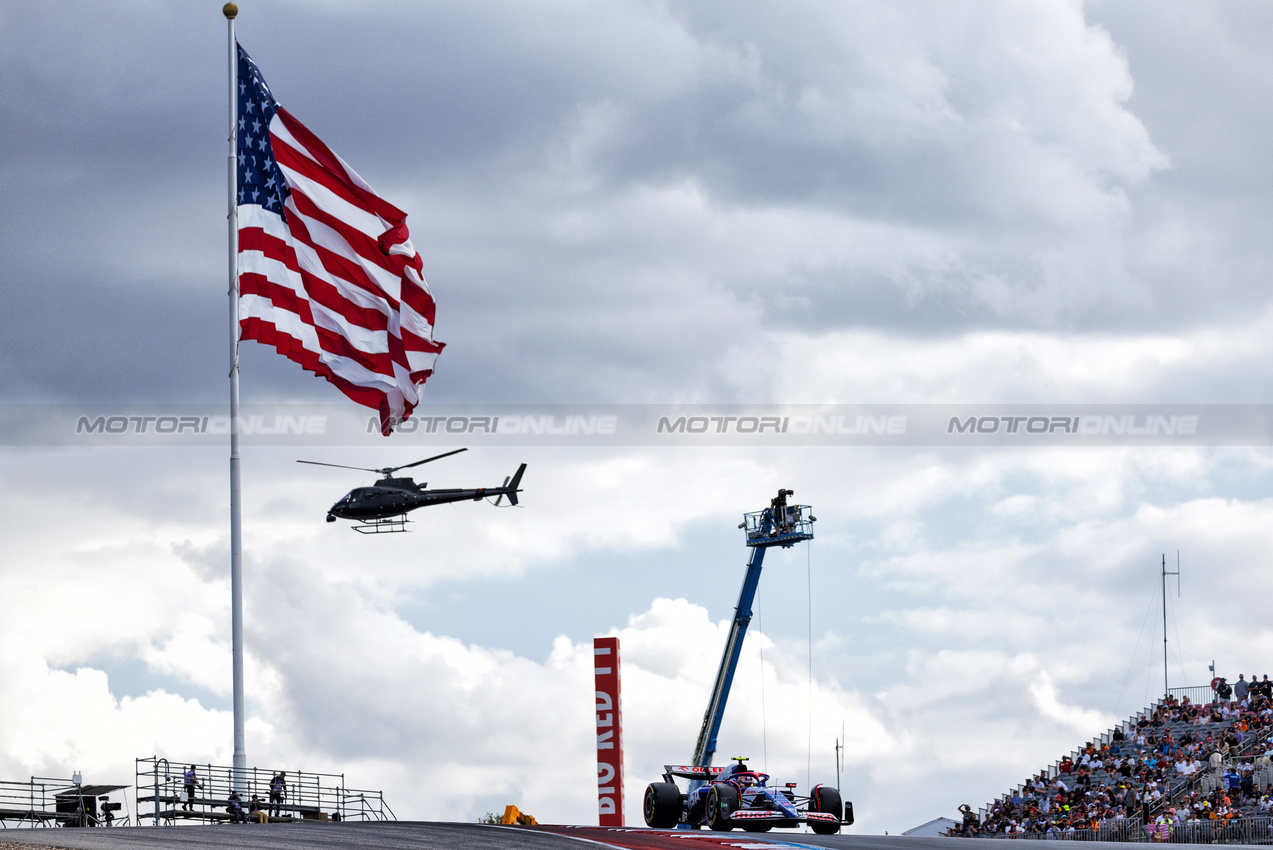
(1239, 831)
(1130, 829)
(309, 796)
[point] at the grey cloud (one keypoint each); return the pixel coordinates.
(1021, 187)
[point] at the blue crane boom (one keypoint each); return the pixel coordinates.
(778, 525)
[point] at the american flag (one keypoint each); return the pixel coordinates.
(327, 272)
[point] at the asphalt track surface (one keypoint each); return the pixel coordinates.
(408, 835)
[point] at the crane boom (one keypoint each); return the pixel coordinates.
(706, 746)
(778, 525)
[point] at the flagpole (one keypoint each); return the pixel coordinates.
(236, 530)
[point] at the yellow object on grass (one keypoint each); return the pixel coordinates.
(514, 817)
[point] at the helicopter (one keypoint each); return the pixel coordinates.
(383, 506)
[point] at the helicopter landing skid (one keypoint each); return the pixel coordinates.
(387, 525)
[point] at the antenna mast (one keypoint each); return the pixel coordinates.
(1166, 692)
(839, 750)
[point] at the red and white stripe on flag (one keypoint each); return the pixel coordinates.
(332, 280)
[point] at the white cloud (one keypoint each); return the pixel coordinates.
(949, 650)
(1082, 720)
(1019, 366)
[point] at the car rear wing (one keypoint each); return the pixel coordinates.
(689, 771)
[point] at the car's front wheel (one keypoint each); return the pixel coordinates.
(826, 799)
(662, 805)
(722, 802)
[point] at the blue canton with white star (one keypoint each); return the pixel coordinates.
(260, 180)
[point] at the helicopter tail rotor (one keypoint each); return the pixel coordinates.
(500, 497)
(512, 485)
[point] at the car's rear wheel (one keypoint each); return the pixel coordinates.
(827, 800)
(722, 802)
(662, 805)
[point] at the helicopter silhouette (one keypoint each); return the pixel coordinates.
(383, 506)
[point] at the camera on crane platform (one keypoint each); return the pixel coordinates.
(780, 524)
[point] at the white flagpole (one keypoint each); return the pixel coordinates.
(236, 530)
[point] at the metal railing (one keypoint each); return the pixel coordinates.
(1204, 781)
(1125, 830)
(309, 795)
(42, 801)
(1237, 831)
(783, 525)
(1200, 695)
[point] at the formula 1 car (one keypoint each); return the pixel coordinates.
(737, 796)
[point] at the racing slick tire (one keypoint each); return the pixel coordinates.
(757, 827)
(662, 805)
(825, 799)
(722, 801)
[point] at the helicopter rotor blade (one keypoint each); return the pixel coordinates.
(339, 465)
(500, 497)
(389, 470)
(418, 462)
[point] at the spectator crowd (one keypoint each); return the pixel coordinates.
(1179, 763)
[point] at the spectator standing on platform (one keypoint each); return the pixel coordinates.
(1130, 803)
(1232, 780)
(1241, 688)
(192, 782)
(278, 791)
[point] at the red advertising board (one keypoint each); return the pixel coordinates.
(605, 652)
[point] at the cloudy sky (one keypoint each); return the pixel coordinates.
(648, 203)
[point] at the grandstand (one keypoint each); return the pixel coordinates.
(1192, 768)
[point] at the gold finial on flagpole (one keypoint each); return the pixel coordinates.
(230, 10)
